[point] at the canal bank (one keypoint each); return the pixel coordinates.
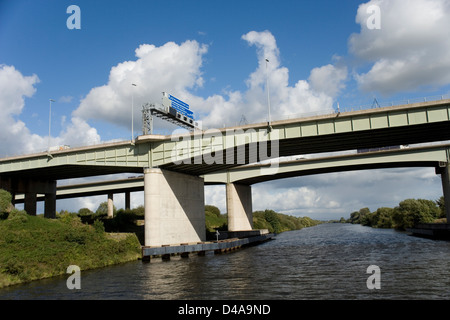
(226, 241)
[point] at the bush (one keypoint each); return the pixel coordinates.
(99, 227)
(272, 218)
(408, 213)
(411, 212)
(5, 202)
(213, 209)
(18, 215)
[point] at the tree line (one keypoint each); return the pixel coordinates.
(407, 214)
(264, 219)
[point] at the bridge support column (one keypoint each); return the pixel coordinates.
(445, 176)
(239, 207)
(174, 208)
(50, 200)
(128, 200)
(30, 203)
(31, 188)
(110, 205)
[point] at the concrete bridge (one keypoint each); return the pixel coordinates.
(177, 167)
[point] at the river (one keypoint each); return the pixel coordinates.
(328, 261)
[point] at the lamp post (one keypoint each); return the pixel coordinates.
(268, 94)
(49, 123)
(132, 114)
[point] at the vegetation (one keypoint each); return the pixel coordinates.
(408, 213)
(267, 219)
(32, 247)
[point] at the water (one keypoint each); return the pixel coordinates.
(328, 261)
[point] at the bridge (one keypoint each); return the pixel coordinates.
(177, 167)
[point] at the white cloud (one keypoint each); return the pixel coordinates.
(409, 51)
(328, 79)
(17, 138)
(14, 88)
(65, 99)
(177, 69)
(173, 68)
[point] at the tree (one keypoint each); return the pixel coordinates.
(382, 218)
(360, 217)
(213, 209)
(103, 209)
(272, 218)
(5, 201)
(413, 211)
(85, 212)
(441, 204)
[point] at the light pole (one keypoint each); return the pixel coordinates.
(49, 123)
(132, 113)
(268, 94)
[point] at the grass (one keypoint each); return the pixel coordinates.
(32, 247)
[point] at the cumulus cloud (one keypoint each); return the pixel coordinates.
(17, 138)
(14, 88)
(171, 67)
(176, 68)
(409, 51)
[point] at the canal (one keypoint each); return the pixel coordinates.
(328, 261)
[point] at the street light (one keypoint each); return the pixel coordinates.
(268, 93)
(50, 124)
(132, 113)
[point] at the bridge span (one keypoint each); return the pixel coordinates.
(177, 167)
(243, 177)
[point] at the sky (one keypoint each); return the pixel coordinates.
(212, 55)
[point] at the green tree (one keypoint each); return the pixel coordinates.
(410, 212)
(272, 218)
(102, 209)
(213, 209)
(5, 201)
(85, 212)
(382, 218)
(360, 217)
(441, 204)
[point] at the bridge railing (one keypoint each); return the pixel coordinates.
(375, 104)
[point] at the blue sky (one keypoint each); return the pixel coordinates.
(35, 40)
(210, 54)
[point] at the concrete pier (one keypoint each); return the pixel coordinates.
(239, 207)
(174, 208)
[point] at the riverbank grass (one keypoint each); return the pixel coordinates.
(32, 247)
